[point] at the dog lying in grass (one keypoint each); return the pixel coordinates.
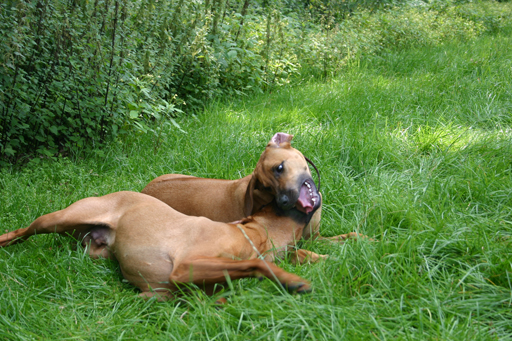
(159, 248)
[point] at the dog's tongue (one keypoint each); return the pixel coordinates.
(305, 202)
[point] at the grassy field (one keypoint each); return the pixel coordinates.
(415, 150)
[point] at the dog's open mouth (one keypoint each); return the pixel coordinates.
(308, 197)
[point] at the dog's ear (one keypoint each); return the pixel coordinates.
(280, 138)
(249, 196)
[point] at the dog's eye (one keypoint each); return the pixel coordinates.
(280, 169)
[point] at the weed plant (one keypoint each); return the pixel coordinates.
(414, 148)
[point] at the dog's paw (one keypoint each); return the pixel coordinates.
(298, 287)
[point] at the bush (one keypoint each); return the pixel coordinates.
(78, 73)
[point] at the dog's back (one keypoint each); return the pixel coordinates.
(217, 199)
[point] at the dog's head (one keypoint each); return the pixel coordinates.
(283, 172)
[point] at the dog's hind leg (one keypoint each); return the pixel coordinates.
(161, 296)
(77, 219)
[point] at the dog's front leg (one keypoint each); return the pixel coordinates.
(301, 256)
(210, 270)
(343, 237)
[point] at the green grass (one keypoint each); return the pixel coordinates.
(415, 150)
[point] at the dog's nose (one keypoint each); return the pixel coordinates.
(283, 200)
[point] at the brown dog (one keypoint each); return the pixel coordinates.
(158, 248)
(281, 173)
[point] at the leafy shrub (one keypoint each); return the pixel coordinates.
(75, 74)
(59, 76)
(364, 33)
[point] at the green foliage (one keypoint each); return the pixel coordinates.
(76, 74)
(365, 33)
(60, 84)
